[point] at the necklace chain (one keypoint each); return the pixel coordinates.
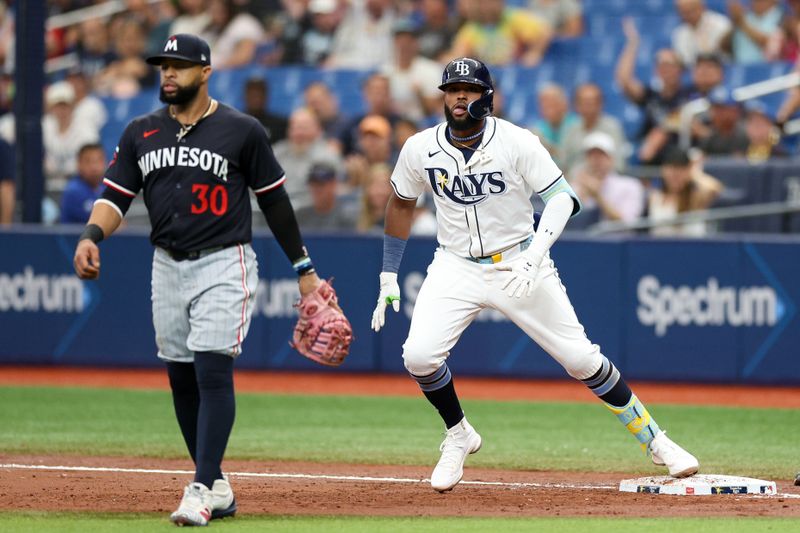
(186, 128)
(469, 137)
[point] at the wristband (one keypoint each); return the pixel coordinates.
(393, 249)
(303, 266)
(93, 233)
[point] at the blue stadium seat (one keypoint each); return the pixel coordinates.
(744, 184)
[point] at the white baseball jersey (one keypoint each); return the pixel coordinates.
(483, 205)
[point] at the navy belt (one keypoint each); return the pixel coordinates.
(505, 254)
(181, 255)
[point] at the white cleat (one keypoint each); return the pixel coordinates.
(664, 452)
(223, 503)
(459, 441)
(195, 507)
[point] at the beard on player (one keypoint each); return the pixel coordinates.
(460, 124)
(181, 96)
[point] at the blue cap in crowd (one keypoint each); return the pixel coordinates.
(722, 96)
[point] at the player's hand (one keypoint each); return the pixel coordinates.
(523, 275)
(389, 294)
(308, 283)
(87, 260)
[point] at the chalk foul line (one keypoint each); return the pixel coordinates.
(333, 477)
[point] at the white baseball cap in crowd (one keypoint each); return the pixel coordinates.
(599, 141)
(60, 92)
(322, 7)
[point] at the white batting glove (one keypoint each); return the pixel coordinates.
(389, 294)
(523, 274)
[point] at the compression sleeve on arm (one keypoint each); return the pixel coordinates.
(554, 217)
(277, 209)
(393, 248)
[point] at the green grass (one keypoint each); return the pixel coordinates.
(517, 435)
(67, 522)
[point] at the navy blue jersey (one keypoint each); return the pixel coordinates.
(195, 186)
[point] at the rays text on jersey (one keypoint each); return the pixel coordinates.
(468, 189)
(183, 156)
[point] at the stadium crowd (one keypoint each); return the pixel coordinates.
(338, 163)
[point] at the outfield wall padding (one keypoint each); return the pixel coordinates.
(680, 310)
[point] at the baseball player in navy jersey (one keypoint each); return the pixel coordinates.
(194, 161)
(482, 172)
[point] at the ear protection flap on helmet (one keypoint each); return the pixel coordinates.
(483, 106)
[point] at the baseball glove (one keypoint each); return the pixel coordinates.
(322, 333)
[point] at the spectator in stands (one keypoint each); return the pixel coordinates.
(413, 79)
(233, 34)
(303, 147)
(7, 35)
(93, 48)
(501, 35)
(684, 188)
(363, 40)
(437, 30)
(194, 18)
(564, 16)
(377, 95)
(659, 103)
(555, 119)
(708, 72)
(726, 135)
(702, 31)
(324, 104)
(289, 25)
(256, 104)
(89, 109)
(62, 135)
(315, 43)
(375, 147)
(785, 43)
(6, 91)
(85, 187)
(324, 213)
(752, 29)
(375, 196)
(763, 137)
(8, 190)
(588, 102)
(129, 72)
(155, 18)
(601, 188)
(403, 129)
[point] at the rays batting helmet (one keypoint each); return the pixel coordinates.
(474, 72)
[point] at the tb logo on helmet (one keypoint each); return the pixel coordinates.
(461, 68)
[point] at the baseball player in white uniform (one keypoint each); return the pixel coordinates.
(482, 172)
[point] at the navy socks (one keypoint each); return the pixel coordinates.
(186, 399)
(216, 413)
(438, 388)
(205, 406)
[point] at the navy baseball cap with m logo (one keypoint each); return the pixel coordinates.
(185, 47)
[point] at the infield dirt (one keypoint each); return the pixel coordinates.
(564, 493)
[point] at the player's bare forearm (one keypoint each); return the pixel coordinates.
(87, 255)
(399, 215)
(106, 217)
